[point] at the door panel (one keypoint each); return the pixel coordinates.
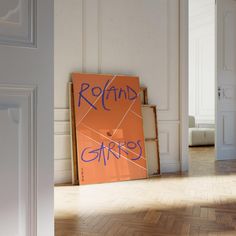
(229, 123)
(18, 162)
(11, 195)
(226, 80)
(26, 117)
(17, 20)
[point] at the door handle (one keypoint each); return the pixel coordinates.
(219, 92)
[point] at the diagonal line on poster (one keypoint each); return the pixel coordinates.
(95, 131)
(115, 152)
(136, 114)
(126, 113)
(96, 100)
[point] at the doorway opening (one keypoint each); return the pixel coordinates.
(201, 103)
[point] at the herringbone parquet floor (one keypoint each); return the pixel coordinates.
(200, 203)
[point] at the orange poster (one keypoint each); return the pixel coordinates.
(109, 128)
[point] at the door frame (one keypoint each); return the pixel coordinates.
(183, 80)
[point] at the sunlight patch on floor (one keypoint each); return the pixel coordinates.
(175, 192)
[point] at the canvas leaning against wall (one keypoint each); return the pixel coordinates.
(109, 128)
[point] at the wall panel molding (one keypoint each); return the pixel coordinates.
(98, 24)
(68, 46)
(20, 103)
(169, 146)
(164, 137)
(61, 128)
(90, 36)
(62, 144)
(61, 114)
(170, 167)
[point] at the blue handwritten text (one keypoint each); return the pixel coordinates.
(130, 150)
(106, 93)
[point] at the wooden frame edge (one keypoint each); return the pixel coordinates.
(74, 161)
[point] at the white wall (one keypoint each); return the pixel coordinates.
(202, 60)
(138, 37)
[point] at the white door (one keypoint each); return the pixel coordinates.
(26, 117)
(226, 80)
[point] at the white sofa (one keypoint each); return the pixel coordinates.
(200, 136)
